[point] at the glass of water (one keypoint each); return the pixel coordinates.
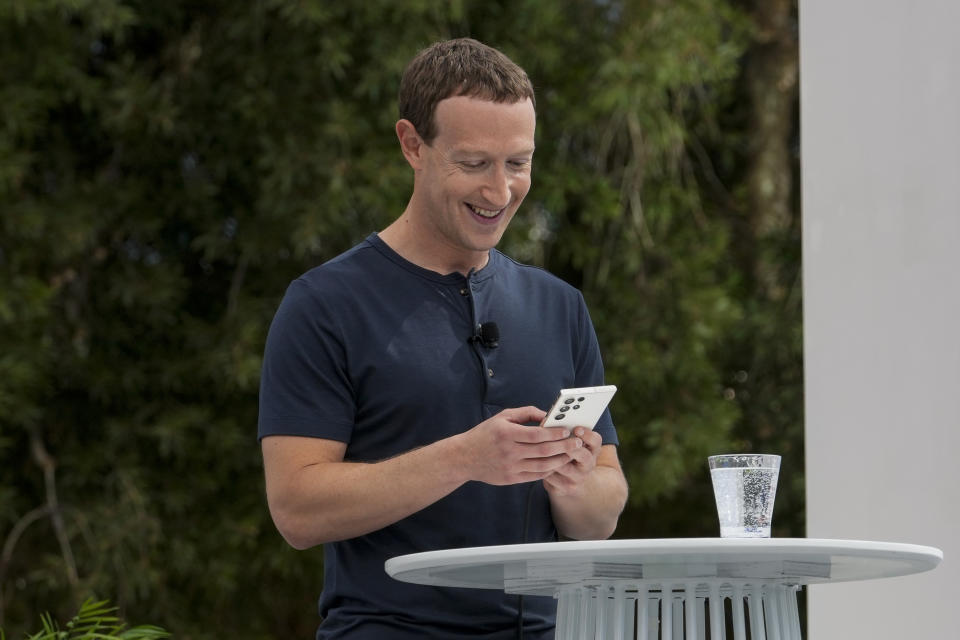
(745, 486)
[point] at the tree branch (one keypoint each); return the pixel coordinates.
(10, 544)
(49, 467)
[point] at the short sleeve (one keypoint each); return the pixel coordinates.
(589, 369)
(304, 386)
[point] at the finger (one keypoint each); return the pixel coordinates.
(533, 476)
(554, 482)
(583, 459)
(546, 465)
(582, 462)
(560, 482)
(522, 415)
(542, 434)
(563, 448)
(591, 439)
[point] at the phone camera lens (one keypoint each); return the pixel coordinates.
(564, 409)
(568, 401)
(580, 399)
(576, 406)
(559, 416)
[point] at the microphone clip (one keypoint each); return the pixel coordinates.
(487, 334)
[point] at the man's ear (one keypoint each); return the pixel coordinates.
(411, 144)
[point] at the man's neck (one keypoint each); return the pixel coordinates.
(422, 249)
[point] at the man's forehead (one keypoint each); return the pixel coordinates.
(473, 121)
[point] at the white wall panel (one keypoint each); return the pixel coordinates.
(880, 118)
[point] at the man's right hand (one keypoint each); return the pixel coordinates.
(503, 450)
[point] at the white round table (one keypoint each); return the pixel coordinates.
(669, 588)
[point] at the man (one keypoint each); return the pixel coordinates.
(389, 425)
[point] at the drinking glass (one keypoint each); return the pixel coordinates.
(745, 486)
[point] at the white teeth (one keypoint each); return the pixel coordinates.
(484, 212)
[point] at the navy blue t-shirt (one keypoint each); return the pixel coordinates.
(372, 350)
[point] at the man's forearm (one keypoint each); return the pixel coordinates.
(336, 500)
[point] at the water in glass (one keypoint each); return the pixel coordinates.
(745, 500)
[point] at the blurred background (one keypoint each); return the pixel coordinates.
(167, 168)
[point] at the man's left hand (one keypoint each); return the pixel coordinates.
(568, 480)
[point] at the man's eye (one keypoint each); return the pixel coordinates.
(478, 164)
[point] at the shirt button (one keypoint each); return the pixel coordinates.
(490, 372)
(464, 291)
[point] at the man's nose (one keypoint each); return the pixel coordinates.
(497, 187)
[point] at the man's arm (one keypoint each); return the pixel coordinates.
(315, 496)
(588, 494)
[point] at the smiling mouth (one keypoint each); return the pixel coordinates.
(484, 213)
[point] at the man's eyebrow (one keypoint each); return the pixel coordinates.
(467, 151)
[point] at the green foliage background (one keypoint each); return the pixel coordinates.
(166, 168)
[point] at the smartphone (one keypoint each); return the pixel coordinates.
(580, 407)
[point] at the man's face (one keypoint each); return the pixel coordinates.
(476, 171)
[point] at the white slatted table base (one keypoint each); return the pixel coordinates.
(694, 611)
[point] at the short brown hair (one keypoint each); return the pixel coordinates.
(460, 67)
